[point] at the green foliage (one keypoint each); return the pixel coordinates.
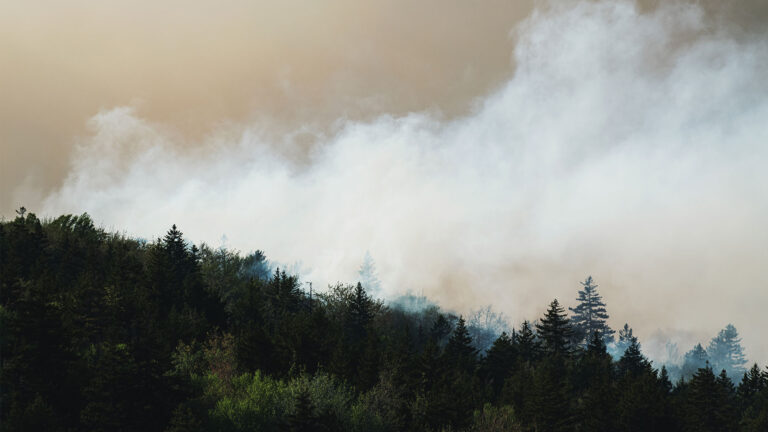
(103, 332)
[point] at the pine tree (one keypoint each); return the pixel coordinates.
(303, 418)
(726, 352)
(625, 339)
(590, 315)
(708, 405)
(368, 275)
(633, 362)
(459, 351)
(694, 360)
(527, 344)
(360, 312)
(499, 360)
(555, 330)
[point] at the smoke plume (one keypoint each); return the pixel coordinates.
(628, 143)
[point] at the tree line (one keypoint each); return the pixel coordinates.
(103, 332)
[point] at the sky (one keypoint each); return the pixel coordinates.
(490, 152)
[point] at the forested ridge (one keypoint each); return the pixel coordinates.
(103, 332)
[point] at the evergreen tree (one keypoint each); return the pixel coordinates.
(459, 351)
(499, 360)
(633, 362)
(554, 329)
(725, 351)
(594, 378)
(360, 312)
(303, 417)
(527, 343)
(368, 275)
(694, 360)
(590, 315)
(625, 339)
(708, 404)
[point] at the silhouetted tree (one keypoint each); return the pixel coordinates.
(590, 315)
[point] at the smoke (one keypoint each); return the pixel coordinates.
(627, 145)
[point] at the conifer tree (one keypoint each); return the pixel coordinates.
(725, 351)
(459, 350)
(625, 339)
(360, 312)
(555, 330)
(527, 344)
(368, 275)
(499, 360)
(590, 315)
(708, 406)
(694, 360)
(633, 362)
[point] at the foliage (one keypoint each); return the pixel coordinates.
(99, 331)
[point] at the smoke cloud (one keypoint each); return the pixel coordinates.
(628, 143)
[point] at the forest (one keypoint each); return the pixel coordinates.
(100, 331)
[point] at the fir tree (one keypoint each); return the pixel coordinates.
(368, 275)
(459, 350)
(708, 405)
(633, 362)
(625, 338)
(694, 360)
(527, 343)
(590, 315)
(499, 360)
(555, 330)
(725, 351)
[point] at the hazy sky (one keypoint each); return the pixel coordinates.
(483, 152)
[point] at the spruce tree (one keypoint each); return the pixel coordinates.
(555, 330)
(527, 343)
(625, 338)
(708, 404)
(368, 276)
(459, 351)
(725, 352)
(590, 315)
(499, 360)
(633, 362)
(694, 360)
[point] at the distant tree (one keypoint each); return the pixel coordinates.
(633, 362)
(593, 378)
(694, 360)
(554, 329)
(626, 337)
(499, 361)
(725, 352)
(459, 350)
(369, 278)
(590, 315)
(360, 311)
(527, 344)
(752, 383)
(708, 404)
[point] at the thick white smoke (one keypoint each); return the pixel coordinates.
(628, 146)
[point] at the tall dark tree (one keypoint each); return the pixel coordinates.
(708, 405)
(633, 362)
(528, 345)
(590, 315)
(555, 330)
(499, 360)
(459, 350)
